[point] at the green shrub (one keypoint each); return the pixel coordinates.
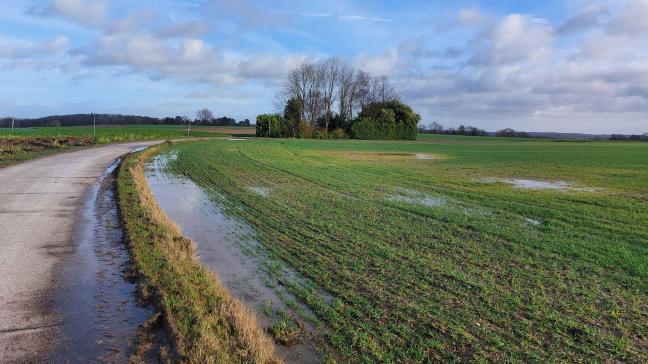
(269, 125)
(386, 120)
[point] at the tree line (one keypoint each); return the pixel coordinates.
(636, 137)
(116, 119)
(436, 128)
(332, 99)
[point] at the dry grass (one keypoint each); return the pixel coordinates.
(210, 325)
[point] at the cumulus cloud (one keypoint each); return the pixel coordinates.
(590, 18)
(84, 12)
(518, 74)
(473, 66)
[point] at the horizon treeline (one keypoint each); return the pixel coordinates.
(117, 119)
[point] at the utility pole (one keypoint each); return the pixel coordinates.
(189, 129)
(13, 120)
(94, 126)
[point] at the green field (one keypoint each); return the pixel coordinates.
(107, 134)
(26, 143)
(428, 259)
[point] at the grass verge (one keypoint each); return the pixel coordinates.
(209, 324)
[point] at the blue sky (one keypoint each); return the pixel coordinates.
(532, 65)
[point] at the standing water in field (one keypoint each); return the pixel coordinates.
(228, 247)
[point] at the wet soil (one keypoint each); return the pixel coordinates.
(227, 246)
(97, 300)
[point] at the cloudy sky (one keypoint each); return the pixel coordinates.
(568, 65)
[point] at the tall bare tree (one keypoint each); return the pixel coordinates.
(330, 75)
(346, 91)
(363, 89)
(382, 89)
(319, 86)
(204, 115)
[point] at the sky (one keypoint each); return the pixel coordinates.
(565, 66)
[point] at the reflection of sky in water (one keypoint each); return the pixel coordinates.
(531, 184)
(226, 245)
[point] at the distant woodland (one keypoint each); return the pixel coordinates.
(117, 119)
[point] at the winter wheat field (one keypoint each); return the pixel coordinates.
(444, 249)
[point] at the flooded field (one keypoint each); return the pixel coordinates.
(99, 306)
(427, 263)
(228, 247)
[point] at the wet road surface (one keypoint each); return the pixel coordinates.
(63, 296)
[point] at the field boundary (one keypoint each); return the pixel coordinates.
(209, 324)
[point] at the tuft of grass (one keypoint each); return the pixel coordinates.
(210, 325)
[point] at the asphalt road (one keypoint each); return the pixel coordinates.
(40, 205)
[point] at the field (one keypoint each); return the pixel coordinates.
(430, 251)
(25, 143)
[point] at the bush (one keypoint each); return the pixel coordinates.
(321, 134)
(338, 134)
(381, 127)
(304, 130)
(386, 120)
(269, 125)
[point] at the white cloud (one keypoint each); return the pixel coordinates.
(85, 12)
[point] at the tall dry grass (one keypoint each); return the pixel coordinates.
(211, 326)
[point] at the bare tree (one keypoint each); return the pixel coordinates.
(435, 127)
(320, 86)
(346, 91)
(204, 115)
(330, 69)
(298, 84)
(382, 90)
(363, 89)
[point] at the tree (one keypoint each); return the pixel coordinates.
(204, 115)
(382, 90)
(320, 86)
(435, 127)
(293, 112)
(405, 120)
(363, 89)
(269, 125)
(330, 69)
(346, 92)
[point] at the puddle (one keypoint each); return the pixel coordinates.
(228, 247)
(425, 156)
(261, 191)
(416, 198)
(99, 307)
(238, 139)
(531, 184)
(533, 221)
(138, 149)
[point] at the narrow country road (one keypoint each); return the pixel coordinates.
(41, 203)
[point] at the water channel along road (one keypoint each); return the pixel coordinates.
(63, 296)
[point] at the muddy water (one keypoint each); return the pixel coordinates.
(227, 246)
(99, 308)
